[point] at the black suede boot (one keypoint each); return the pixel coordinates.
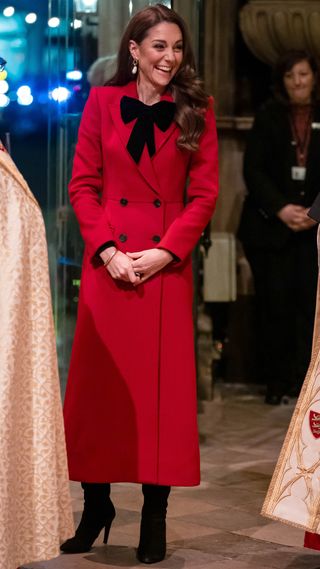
(152, 545)
(98, 513)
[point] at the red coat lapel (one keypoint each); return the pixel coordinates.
(145, 165)
(162, 137)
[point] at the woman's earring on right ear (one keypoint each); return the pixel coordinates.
(134, 67)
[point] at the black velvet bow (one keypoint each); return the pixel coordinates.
(161, 113)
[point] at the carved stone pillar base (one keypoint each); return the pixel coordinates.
(271, 27)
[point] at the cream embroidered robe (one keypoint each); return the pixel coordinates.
(35, 506)
(294, 493)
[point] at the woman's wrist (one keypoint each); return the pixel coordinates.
(107, 254)
(167, 254)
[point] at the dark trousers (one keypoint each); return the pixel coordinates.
(285, 285)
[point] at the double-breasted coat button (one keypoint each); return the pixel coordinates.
(123, 237)
(124, 201)
(157, 203)
(156, 238)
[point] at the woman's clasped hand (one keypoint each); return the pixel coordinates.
(296, 217)
(135, 267)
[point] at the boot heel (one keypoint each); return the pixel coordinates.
(107, 531)
(98, 513)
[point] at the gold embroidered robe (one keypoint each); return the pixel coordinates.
(35, 506)
(294, 492)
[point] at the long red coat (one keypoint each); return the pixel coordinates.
(130, 405)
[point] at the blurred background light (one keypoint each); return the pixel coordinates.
(4, 87)
(17, 43)
(77, 24)
(54, 22)
(24, 91)
(4, 100)
(87, 6)
(8, 11)
(24, 95)
(60, 94)
(31, 18)
(74, 75)
(25, 100)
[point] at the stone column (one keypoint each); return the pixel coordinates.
(113, 18)
(220, 27)
(220, 32)
(189, 10)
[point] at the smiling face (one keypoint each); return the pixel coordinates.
(159, 55)
(299, 83)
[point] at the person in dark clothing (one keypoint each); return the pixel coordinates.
(282, 174)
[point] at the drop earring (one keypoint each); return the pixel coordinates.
(134, 67)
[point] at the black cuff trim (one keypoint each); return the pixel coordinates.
(104, 246)
(175, 258)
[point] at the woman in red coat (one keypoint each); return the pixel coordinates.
(130, 406)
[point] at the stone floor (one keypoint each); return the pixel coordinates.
(217, 525)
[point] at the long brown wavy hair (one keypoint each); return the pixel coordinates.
(186, 87)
